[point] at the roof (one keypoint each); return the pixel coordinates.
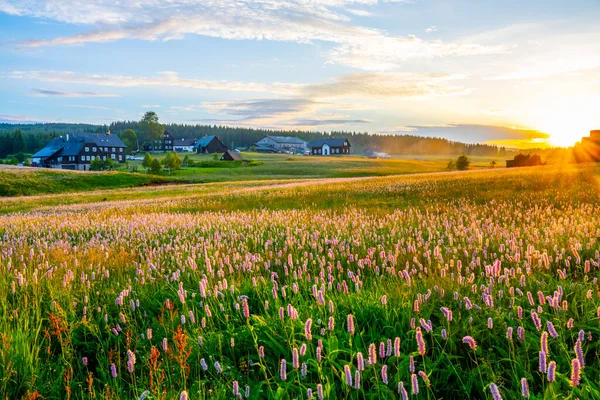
(286, 139)
(72, 147)
(233, 154)
(204, 141)
(332, 142)
(184, 142)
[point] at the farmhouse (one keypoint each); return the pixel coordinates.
(76, 151)
(184, 145)
(329, 147)
(281, 144)
(209, 145)
(163, 144)
(230, 155)
(589, 148)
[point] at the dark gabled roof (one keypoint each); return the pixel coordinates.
(204, 141)
(233, 154)
(62, 147)
(286, 139)
(332, 142)
(184, 142)
(267, 147)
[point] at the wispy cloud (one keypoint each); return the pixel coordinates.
(56, 93)
(431, 29)
(19, 119)
(305, 22)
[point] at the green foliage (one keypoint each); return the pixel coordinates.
(98, 164)
(147, 163)
(151, 128)
(450, 166)
(171, 161)
(155, 166)
(129, 137)
(462, 162)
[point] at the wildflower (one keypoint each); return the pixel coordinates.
(397, 347)
(575, 370)
(411, 364)
(509, 333)
(384, 375)
(372, 354)
(350, 321)
(283, 370)
(357, 379)
(542, 362)
(551, 329)
(245, 308)
(471, 342)
(420, 342)
(348, 375)
(236, 388)
(203, 364)
(84, 361)
(303, 349)
(384, 300)
(113, 370)
(579, 353)
(307, 328)
(381, 350)
(261, 351)
(444, 334)
(414, 383)
(183, 396)
(544, 342)
(320, 391)
(495, 392)
(551, 371)
(295, 362)
(331, 324)
(524, 388)
(402, 390)
(360, 361)
(218, 367)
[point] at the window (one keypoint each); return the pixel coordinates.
(82, 158)
(87, 149)
(120, 157)
(113, 149)
(112, 156)
(120, 149)
(104, 158)
(94, 149)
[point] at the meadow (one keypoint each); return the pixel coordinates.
(477, 284)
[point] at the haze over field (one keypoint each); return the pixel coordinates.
(513, 73)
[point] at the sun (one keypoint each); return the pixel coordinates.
(566, 121)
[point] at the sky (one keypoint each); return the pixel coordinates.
(519, 73)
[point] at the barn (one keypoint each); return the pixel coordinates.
(210, 144)
(230, 155)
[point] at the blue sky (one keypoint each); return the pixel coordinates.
(521, 73)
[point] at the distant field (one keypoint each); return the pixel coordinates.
(30, 181)
(444, 285)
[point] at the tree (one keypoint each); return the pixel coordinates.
(155, 166)
(150, 126)
(493, 164)
(129, 137)
(18, 142)
(171, 161)
(27, 163)
(462, 163)
(450, 166)
(186, 160)
(147, 163)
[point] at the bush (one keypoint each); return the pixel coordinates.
(155, 166)
(462, 163)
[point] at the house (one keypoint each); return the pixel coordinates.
(524, 160)
(76, 151)
(588, 149)
(329, 147)
(230, 155)
(209, 145)
(184, 145)
(164, 144)
(266, 149)
(282, 144)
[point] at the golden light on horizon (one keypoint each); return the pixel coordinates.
(566, 121)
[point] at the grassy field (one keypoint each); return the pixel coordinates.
(437, 285)
(28, 181)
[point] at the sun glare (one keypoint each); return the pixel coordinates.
(566, 122)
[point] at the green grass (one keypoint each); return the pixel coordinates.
(31, 181)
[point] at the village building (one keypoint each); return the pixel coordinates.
(329, 147)
(77, 151)
(164, 144)
(209, 145)
(281, 144)
(184, 145)
(231, 155)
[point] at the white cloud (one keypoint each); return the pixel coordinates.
(431, 29)
(57, 93)
(305, 21)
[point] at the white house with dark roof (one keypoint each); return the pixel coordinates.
(329, 147)
(77, 151)
(281, 144)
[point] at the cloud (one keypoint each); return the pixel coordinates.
(359, 13)
(164, 79)
(475, 133)
(431, 29)
(56, 93)
(15, 119)
(312, 122)
(304, 21)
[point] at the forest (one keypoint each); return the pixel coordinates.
(29, 138)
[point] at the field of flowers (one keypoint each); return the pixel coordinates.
(455, 285)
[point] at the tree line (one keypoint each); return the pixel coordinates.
(29, 138)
